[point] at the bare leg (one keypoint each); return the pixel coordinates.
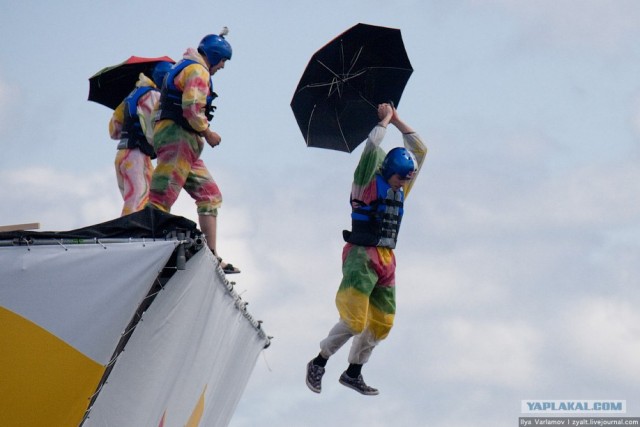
(209, 227)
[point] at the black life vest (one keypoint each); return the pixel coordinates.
(378, 223)
(132, 135)
(171, 97)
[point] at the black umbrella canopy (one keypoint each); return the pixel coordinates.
(335, 103)
(112, 84)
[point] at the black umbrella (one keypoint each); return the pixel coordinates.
(111, 85)
(335, 103)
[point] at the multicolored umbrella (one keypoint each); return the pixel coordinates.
(111, 85)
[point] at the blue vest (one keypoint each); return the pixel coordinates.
(378, 223)
(132, 135)
(171, 98)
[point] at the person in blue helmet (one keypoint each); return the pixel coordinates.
(366, 296)
(181, 131)
(132, 123)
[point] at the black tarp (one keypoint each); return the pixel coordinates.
(148, 223)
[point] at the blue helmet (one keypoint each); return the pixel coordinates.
(215, 48)
(399, 161)
(160, 71)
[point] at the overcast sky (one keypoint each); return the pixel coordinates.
(518, 266)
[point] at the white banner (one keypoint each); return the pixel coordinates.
(63, 309)
(189, 359)
(85, 294)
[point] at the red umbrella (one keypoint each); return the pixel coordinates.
(111, 85)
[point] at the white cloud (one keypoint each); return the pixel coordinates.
(584, 23)
(602, 335)
(58, 200)
(489, 352)
(635, 115)
(7, 93)
(593, 195)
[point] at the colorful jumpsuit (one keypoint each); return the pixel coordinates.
(178, 149)
(366, 296)
(133, 167)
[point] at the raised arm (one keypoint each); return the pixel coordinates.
(413, 143)
(385, 114)
(398, 123)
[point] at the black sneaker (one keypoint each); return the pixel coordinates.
(314, 377)
(357, 384)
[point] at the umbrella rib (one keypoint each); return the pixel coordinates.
(309, 124)
(355, 59)
(349, 76)
(333, 82)
(388, 68)
(341, 54)
(366, 100)
(357, 74)
(336, 76)
(344, 139)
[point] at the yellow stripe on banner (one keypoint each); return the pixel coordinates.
(196, 416)
(43, 380)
